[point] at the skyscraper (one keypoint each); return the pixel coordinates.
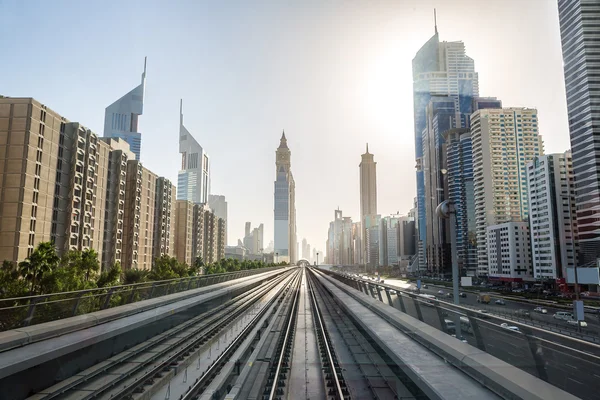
(551, 194)
(218, 204)
(503, 141)
(193, 181)
(285, 205)
(368, 194)
(439, 69)
(580, 39)
(121, 117)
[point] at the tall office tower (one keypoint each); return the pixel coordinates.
(357, 242)
(368, 194)
(503, 141)
(138, 221)
(388, 241)
(372, 240)
(580, 39)
(120, 154)
(193, 180)
(439, 69)
(406, 237)
(184, 226)
(285, 205)
(164, 218)
(121, 117)
(218, 204)
(305, 249)
(440, 117)
(552, 209)
(29, 134)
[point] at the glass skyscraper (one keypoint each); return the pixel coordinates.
(285, 205)
(193, 180)
(121, 117)
(440, 69)
(580, 35)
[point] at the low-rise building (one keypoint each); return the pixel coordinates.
(509, 252)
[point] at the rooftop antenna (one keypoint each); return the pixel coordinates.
(435, 20)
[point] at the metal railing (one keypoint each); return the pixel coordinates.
(30, 310)
(549, 355)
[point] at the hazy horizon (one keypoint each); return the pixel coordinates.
(335, 75)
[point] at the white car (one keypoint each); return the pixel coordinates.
(483, 314)
(440, 292)
(510, 327)
(541, 310)
(574, 322)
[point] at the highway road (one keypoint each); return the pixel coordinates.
(559, 362)
(508, 310)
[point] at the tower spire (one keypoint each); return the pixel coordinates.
(180, 111)
(435, 21)
(367, 148)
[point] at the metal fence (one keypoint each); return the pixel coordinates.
(559, 358)
(30, 310)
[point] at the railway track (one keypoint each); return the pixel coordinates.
(266, 357)
(152, 359)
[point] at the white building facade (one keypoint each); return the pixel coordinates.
(503, 140)
(552, 215)
(509, 252)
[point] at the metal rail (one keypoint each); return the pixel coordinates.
(287, 337)
(206, 329)
(339, 392)
(214, 369)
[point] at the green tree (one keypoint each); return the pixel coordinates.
(134, 275)
(89, 265)
(41, 261)
(11, 284)
(110, 277)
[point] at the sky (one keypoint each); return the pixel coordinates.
(334, 74)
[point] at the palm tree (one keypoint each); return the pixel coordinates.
(43, 260)
(89, 263)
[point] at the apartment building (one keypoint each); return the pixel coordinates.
(503, 140)
(184, 225)
(30, 135)
(552, 215)
(138, 221)
(164, 218)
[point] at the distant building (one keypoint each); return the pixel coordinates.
(193, 180)
(121, 117)
(218, 204)
(504, 140)
(551, 191)
(285, 205)
(254, 239)
(305, 250)
(368, 192)
(406, 237)
(199, 233)
(372, 239)
(509, 252)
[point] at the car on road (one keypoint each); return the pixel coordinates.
(425, 286)
(483, 314)
(573, 321)
(510, 327)
(500, 302)
(522, 313)
(440, 292)
(483, 298)
(462, 294)
(540, 310)
(449, 295)
(563, 315)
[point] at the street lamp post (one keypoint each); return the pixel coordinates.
(317, 258)
(446, 210)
